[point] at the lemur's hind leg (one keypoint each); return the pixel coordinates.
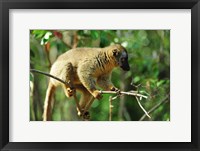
(69, 77)
(85, 102)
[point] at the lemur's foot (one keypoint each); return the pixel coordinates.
(85, 115)
(116, 90)
(70, 92)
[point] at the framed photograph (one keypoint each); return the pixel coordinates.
(99, 75)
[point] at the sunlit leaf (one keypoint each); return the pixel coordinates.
(136, 79)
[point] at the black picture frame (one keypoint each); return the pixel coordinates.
(5, 5)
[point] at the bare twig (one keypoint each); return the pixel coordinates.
(116, 96)
(122, 92)
(110, 108)
(133, 93)
(142, 107)
(165, 100)
(49, 75)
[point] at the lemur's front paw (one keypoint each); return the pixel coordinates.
(97, 95)
(114, 89)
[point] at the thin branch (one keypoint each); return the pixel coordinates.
(142, 108)
(155, 107)
(49, 75)
(116, 96)
(122, 92)
(110, 108)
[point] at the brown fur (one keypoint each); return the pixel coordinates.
(83, 68)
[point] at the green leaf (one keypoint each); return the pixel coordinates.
(136, 79)
(159, 83)
(39, 33)
(94, 34)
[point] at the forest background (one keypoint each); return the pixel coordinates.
(149, 59)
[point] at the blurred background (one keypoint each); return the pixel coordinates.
(149, 59)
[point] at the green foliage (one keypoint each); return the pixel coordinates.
(149, 59)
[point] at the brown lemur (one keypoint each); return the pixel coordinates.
(83, 69)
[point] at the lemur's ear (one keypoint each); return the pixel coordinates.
(115, 52)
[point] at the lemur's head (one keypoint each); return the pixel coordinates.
(121, 56)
